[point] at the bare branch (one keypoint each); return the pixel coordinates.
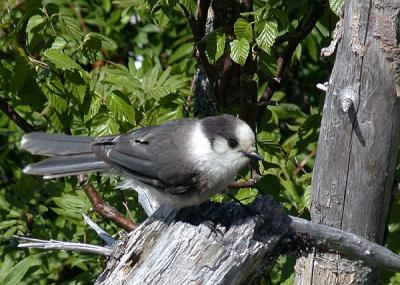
(303, 29)
(356, 247)
(100, 232)
(244, 184)
(15, 117)
(103, 208)
(62, 245)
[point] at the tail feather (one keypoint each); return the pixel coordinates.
(56, 144)
(66, 165)
(69, 155)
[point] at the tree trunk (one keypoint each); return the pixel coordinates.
(359, 139)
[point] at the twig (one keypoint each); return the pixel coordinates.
(300, 165)
(15, 117)
(244, 184)
(103, 208)
(303, 29)
(77, 12)
(62, 245)
(348, 244)
(255, 177)
(197, 25)
(110, 241)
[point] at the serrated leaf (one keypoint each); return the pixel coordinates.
(108, 127)
(336, 6)
(132, 67)
(215, 45)
(121, 108)
(71, 26)
(269, 137)
(94, 108)
(286, 111)
(54, 93)
(239, 50)
(75, 85)
(35, 24)
(190, 5)
(268, 32)
(61, 60)
(122, 81)
(183, 51)
(18, 271)
(105, 42)
(243, 29)
(5, 267)
(70, 202)
(59, 43)
(7, 224)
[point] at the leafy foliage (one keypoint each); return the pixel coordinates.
(105, 67)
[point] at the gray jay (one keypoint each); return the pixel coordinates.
(182, 162)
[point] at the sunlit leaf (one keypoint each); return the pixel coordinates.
(243, 29)
(215, 45)
(267, 34)
(121, 108)
(239, 50)
(336, 6)
(35, 24)
(18, 271)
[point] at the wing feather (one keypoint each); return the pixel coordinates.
(154, 155)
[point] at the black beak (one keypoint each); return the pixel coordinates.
(253, 156)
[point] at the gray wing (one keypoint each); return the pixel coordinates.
(154, 155)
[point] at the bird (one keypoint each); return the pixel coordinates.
(182, 163)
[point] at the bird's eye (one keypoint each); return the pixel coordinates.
(232, 142)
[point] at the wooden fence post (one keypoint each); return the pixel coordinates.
(359, 139)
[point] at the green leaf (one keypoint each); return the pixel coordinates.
(215, 45)
(18, 272)
(190, 5)
(246, 195)
(122, 81)
(239, 50)
(243, 29)
(266, 136)
(75, 85)
(7, 224)
(5, 267)
(71, 26)
(287, 111)
(92, 40)
(61, 60)
(268, 32)
(107, 126)
(54, 92)
(121, 108)
(336, 6)
(183, 51)
(35, 24)
(94, 108)
(59, 43)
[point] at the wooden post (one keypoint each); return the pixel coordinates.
(359, 139)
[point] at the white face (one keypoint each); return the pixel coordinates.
(222, 158)
(235, 148)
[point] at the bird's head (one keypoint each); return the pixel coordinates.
(231, 138)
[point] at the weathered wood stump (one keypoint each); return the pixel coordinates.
(211, 244)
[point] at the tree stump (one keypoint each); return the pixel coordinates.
(209, 244)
